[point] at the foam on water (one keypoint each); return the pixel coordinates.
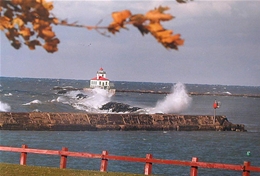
(4, 107)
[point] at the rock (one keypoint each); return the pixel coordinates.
(119, 107)
(62, 92)
(81, 96)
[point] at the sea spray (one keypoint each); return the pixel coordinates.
(95, 98)
(4, 107)
(176, 102)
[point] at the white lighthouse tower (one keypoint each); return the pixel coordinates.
(100, 80)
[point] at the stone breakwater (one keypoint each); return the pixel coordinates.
(43, 121)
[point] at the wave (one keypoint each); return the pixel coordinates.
(177, 101)
(9, 94)
(86, 100)
(4, 107)
(92, 101)
(33, 102)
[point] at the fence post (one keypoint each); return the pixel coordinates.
(194, 169)
(63, 159)
(148, 165)
(23, 156)
(104, 162)
(246, 171)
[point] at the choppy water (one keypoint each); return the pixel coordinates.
(26, 95)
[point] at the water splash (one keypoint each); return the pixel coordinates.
(176, 102)
(4, 107)
(92, 99)
(96, 98)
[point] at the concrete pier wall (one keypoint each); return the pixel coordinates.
(92, 122)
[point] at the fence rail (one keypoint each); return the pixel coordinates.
(194, 164)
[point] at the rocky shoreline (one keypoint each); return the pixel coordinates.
(48, 121)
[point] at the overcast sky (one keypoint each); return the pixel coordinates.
(222, 45)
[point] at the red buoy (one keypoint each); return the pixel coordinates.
(215, 105)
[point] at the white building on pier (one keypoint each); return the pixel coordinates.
(100, 80)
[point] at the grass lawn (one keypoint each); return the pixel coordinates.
(19, 170)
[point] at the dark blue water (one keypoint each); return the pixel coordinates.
(223, 147)
(17, 94)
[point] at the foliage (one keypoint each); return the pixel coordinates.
(30, 22)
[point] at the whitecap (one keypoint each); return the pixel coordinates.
(7, 95)
(33, 102)
(227, 93)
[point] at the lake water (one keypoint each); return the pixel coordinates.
(26, 95)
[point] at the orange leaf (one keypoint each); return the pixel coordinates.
(164, 33)
(157, 15)
(50, 48)
(18, 21)
(25, 32)
(171, 39)
(4, 23)
(120, 17)
(155, 27)
(48, 33)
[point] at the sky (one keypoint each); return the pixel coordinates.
(222, 45)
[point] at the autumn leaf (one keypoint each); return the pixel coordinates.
(16, 44)
(119, 19)
(47, 33)
(9, 14)
(157, 15)
(138, 21)
(4, 23)
(12, 33)
(33, 20)
(32, 44)
(55, 21)
(155, 27)
(46, 5)
(17, 21)
(25, 32)
(50, 48)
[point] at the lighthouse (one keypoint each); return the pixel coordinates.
(100, 80)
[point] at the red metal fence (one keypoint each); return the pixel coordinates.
(194, 164)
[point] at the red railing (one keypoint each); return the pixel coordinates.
(194, 164)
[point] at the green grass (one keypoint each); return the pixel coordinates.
(19, 170)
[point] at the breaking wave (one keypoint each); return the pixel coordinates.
(92, 100)
(33, 102)
(176, 102)
(89, 100)
(4, 107)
